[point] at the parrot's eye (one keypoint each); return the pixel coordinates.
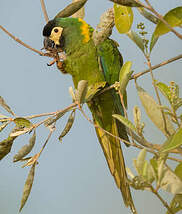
(56, 30)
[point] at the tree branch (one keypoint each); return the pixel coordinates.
(44, 10)
(135, 76)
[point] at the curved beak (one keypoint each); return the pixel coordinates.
(49, 44)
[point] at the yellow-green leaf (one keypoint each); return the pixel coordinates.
(28, 186)
(125, 121)
(93, 89)
(173, 18)
(22, 122)
(124, 76)
(153, 111)
(123, 18)
(136, 39)
(173, 142)
(178, 170)
(165, 90)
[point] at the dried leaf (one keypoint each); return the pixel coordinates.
(5, 106)
(5, 146)
(129, 3)
(154, 112)
(28, 186)
(26, 149)
(68, 125)
(104, 28)
(81, 91)
(80, 13)
(148, 15)
(32, 160)
(123, 18)
(176, 204)
(71, 9)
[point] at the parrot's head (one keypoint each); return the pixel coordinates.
(65, 32)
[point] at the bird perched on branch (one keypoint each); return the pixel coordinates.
(96, 64)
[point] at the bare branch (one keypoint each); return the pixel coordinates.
(135, 76)
(20, 42)
(44, 10)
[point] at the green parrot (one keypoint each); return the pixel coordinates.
(96, 64)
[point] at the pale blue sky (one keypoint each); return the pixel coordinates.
(71, 177)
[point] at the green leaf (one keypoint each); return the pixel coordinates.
(173, 142)
(71, 9)
(174, 19)
(153, 41)
(81, 91)
(178, 170)
(93, 89)
(5, 146)
(123, 18)
(68, 126)
(125, 121)
(136, 39)
(148, 15)
(28, 186)
(165, 90)
(22, 122)
(153, 111)
(124, 76)
(5, 106)
(26, 149)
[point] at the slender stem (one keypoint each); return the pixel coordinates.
(157, 94)
(161, 199)
(22, 43)
(157, 66)
(44, 10)
(162, 20)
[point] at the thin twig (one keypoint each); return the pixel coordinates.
(161, 199)
(162, 20)
(22, 43)
(135, 76)
(44, 10)
(157, 94)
